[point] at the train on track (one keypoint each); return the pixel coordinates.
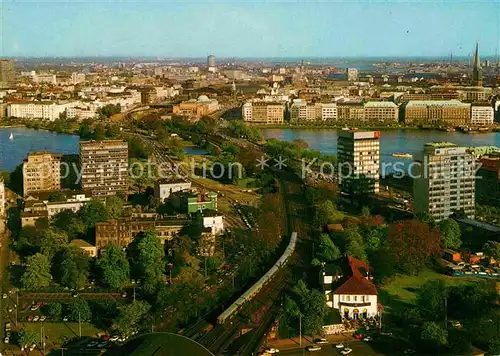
(264, 280)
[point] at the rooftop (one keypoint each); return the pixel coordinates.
(414, 103)
(378, 104)
(443, 144)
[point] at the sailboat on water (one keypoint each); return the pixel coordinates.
(11, 137)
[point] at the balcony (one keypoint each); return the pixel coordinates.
(354, 304)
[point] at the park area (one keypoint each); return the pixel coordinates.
(400, 291)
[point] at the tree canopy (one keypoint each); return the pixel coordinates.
(113, 267)
(37, 274)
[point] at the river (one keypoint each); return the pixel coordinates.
(13, 152)
(391, 141)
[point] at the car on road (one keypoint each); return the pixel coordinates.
(6, 340)
(36, 318)
(271, 350)
(346, 351)
(313, 348)
(321, 341)
(4, 296)
(367, 338)
(339, 346)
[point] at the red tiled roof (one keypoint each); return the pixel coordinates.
(356, 282)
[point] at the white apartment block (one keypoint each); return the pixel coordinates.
(163, 190)
(381, 111)
(264, 112)
(482, 115)
(77, 78)
(214, 223)
(37, 110)
(303, 111)
(359, 156)
(444, 181)
(46, 78)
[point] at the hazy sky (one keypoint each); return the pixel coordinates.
(248, 29)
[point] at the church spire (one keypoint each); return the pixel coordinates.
(477, 75)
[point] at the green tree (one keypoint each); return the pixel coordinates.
(37, 274)
(147, 258)
(327, 251)
(492, 249)
(53, 309)
(315, 309)
(51, 241)
(69, 222)
(353, 242)
(79, 309)
(92, 213)
(431, 299)
(113, 267)
(129, 316)
(433, 336)
(27, 338)
(71, 267)
(114, 207)
(451, 234)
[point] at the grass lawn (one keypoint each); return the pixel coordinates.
(58, 333)
(401, 290)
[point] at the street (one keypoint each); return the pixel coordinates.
(359, 348)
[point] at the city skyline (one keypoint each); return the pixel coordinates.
(246, 30)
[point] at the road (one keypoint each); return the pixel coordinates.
(359, 348)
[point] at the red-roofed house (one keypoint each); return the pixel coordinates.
(349, 289)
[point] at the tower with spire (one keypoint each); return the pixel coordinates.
(477, 74)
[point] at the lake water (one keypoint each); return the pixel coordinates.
(391, 141)
(13, 152)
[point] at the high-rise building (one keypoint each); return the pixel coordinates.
(41, 172)
(104, 167)
(211, 61)
(444, 181)
(352, 74)
(359, 156)
(477, 72)
(7, 74)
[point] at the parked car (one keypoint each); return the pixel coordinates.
(321, 341)
(339, 346)
(114, 338)
(65, 318)
(6, 340)
(271, 350)
(346, 351)
(10, 309)
(124, 295)
(43, 318)
(368, 338)
(4, 296)
(30, 318)
(36, 318)
(34, 307)
(313, 348)
(7, 326)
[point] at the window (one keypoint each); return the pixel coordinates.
(355, 298)
(348, 298)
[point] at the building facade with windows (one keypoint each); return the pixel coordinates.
(104, 167)
(349, 289)
(359, 157)
(264, 112)
(452, 112)
(385, 111)
(481, 115)
(163, 189)
(444, 181)
(41, 172)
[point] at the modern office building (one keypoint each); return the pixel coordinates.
(41, 172)
(359, 157)
(385, 111)
(481, 115)
(264, 112)
(444, 181)
(7, 74)
(451, 112)
(104, 167)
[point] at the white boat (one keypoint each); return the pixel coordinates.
(11, 137)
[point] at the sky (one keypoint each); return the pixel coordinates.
(228, 28)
